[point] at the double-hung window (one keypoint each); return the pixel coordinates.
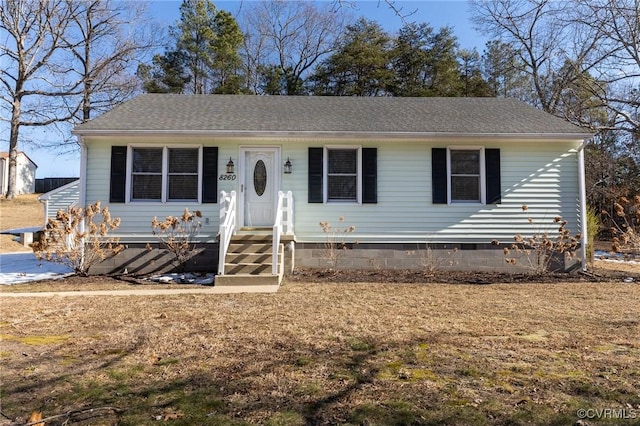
(343, 174)
(146, 174)
(466, 175)
(342, 171)
(164, 174)
(183, 174)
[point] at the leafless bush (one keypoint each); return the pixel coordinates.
(542, 245)
(433, 261)
(79, 238)
(177, 234)
(625, 225)
(335, 245)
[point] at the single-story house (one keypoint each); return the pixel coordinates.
(412, 176)
(25, 173)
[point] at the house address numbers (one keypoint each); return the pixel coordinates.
(227, 177)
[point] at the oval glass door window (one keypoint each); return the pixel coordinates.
(260, 177)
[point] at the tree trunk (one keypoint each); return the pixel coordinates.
(13, 151)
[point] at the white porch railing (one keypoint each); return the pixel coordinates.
(283, 225)
(227, 225)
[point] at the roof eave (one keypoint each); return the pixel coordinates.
(334, 134)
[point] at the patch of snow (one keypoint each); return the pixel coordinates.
(186, 278)
(608, 256)
(17, 268)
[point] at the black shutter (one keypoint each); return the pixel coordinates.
(369, 175)
(118, 180)
(492, 167)
(315, 175)
(439, 175)
(210, 174)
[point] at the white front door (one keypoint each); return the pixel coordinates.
(260, 185)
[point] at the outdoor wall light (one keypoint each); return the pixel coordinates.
(230, 166)
(287, 166)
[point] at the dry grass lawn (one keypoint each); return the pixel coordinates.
(361, 354)
(351, 354)
(24, 211)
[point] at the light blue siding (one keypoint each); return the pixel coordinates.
(541, 175)
(135, 225)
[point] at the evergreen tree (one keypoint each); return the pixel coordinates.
(473, 84)
(409, 61)
(504, 72)
(227, 62)
(206, 56)
(443, 66)
(425, 63)
(360, 66)
(195, 35)
(165, 75)
(271, 79)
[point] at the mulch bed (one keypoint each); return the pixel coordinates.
(309, 275)
(454, 277)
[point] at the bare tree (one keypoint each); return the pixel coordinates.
(392, 5)
(618, 22)
(34, 79)
(583, 59)
(109, 39)
(255, 54)
(294, 35)
(553, 51)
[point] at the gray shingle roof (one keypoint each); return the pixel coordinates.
(291, 114)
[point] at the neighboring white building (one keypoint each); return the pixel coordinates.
(26, 174)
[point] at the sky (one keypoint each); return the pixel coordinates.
(436, 13)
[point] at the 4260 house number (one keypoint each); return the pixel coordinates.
(227, 177)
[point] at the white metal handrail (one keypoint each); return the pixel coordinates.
(227, 225)
(283, 222)
(288, 214)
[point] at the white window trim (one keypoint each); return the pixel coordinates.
(165, 174)
(325, 173)
(483, 174)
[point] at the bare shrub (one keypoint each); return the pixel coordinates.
(542, 245)
(79, 238)
(625, 225)
(334, 244)
(177, 234)
(433, 261)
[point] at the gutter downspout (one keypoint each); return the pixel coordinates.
(583, 204)
(82, 199)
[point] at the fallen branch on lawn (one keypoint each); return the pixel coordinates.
(70, 414)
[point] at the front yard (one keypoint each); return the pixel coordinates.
(321, 353)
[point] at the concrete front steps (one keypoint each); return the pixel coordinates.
(249, 260)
